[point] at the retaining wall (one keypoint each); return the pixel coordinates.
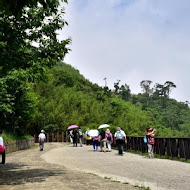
(19, 145)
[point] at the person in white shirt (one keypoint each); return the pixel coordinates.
(42, 138)
(120, 139)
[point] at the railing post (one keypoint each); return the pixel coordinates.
(185, 156)
(62, 136)
(66, 137)
(52, 137)
(48, 137)
(57, 136)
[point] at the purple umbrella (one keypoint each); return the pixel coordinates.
(72, 127)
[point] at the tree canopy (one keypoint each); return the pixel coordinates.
(28, 46)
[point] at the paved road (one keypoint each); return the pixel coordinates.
(138, 170)
(27, 170)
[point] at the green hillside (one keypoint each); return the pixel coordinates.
(66, 97)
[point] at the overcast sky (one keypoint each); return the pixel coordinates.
(131, 41)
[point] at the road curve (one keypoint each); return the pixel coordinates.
(27, 170)
(158, 174)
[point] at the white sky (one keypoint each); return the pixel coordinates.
(131, 41)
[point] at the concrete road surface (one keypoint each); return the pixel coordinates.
(158, 174)
(27, 170)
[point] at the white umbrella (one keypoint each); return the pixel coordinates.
(103, 126)
(93, 133)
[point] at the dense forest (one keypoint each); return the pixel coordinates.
(38, 90)
(65, 97)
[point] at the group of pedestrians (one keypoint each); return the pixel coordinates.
(74, 135)
(104, 138)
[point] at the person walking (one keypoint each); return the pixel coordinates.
(120, 140)
(75, 137)
(109, 139)
(88, 137)
(41, 139)
(2, 147)
(150, 134)
(81, 134)
(102, 140)
(71, 136)
(95, 143)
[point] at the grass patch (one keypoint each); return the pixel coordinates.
(93, 174)
(115, 181)
(35, 146)
(107, 177)
(142, 187)
(7, 137)
(158, 156)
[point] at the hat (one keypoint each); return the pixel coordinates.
(42, 131)
(107, 131)
(150, 129)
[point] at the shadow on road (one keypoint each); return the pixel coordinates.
(17, 174)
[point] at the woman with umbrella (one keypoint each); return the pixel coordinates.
(94, 133)
(74, 133)
(102, 136)
(75, 137)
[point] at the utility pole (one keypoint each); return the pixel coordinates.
(105, 81)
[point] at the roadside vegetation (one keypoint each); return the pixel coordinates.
(7, 137)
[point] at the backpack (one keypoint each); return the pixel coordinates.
(145, 139)
(109, 137)
(2, 148)
(119, 135)
(80, 133)
(96, 138)
(151, 141)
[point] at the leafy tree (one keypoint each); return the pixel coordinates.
(28, 46)
(125, 92)
(116, 86)
(15, 7)
(145, 85)
(168, 85)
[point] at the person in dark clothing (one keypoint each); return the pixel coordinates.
(75, 137)
(81, 134)
(102, 140)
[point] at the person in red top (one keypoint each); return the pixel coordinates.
(150, 141)
(2, 148)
